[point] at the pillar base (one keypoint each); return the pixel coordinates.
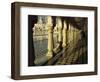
(49, 54)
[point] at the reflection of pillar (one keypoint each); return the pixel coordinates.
(59, 23)
(64, 34)
(50, 36)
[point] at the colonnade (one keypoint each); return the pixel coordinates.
(66, 31)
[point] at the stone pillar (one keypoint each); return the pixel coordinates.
(49, 25)
(64, 44)
(59, 24)
(70, 33)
